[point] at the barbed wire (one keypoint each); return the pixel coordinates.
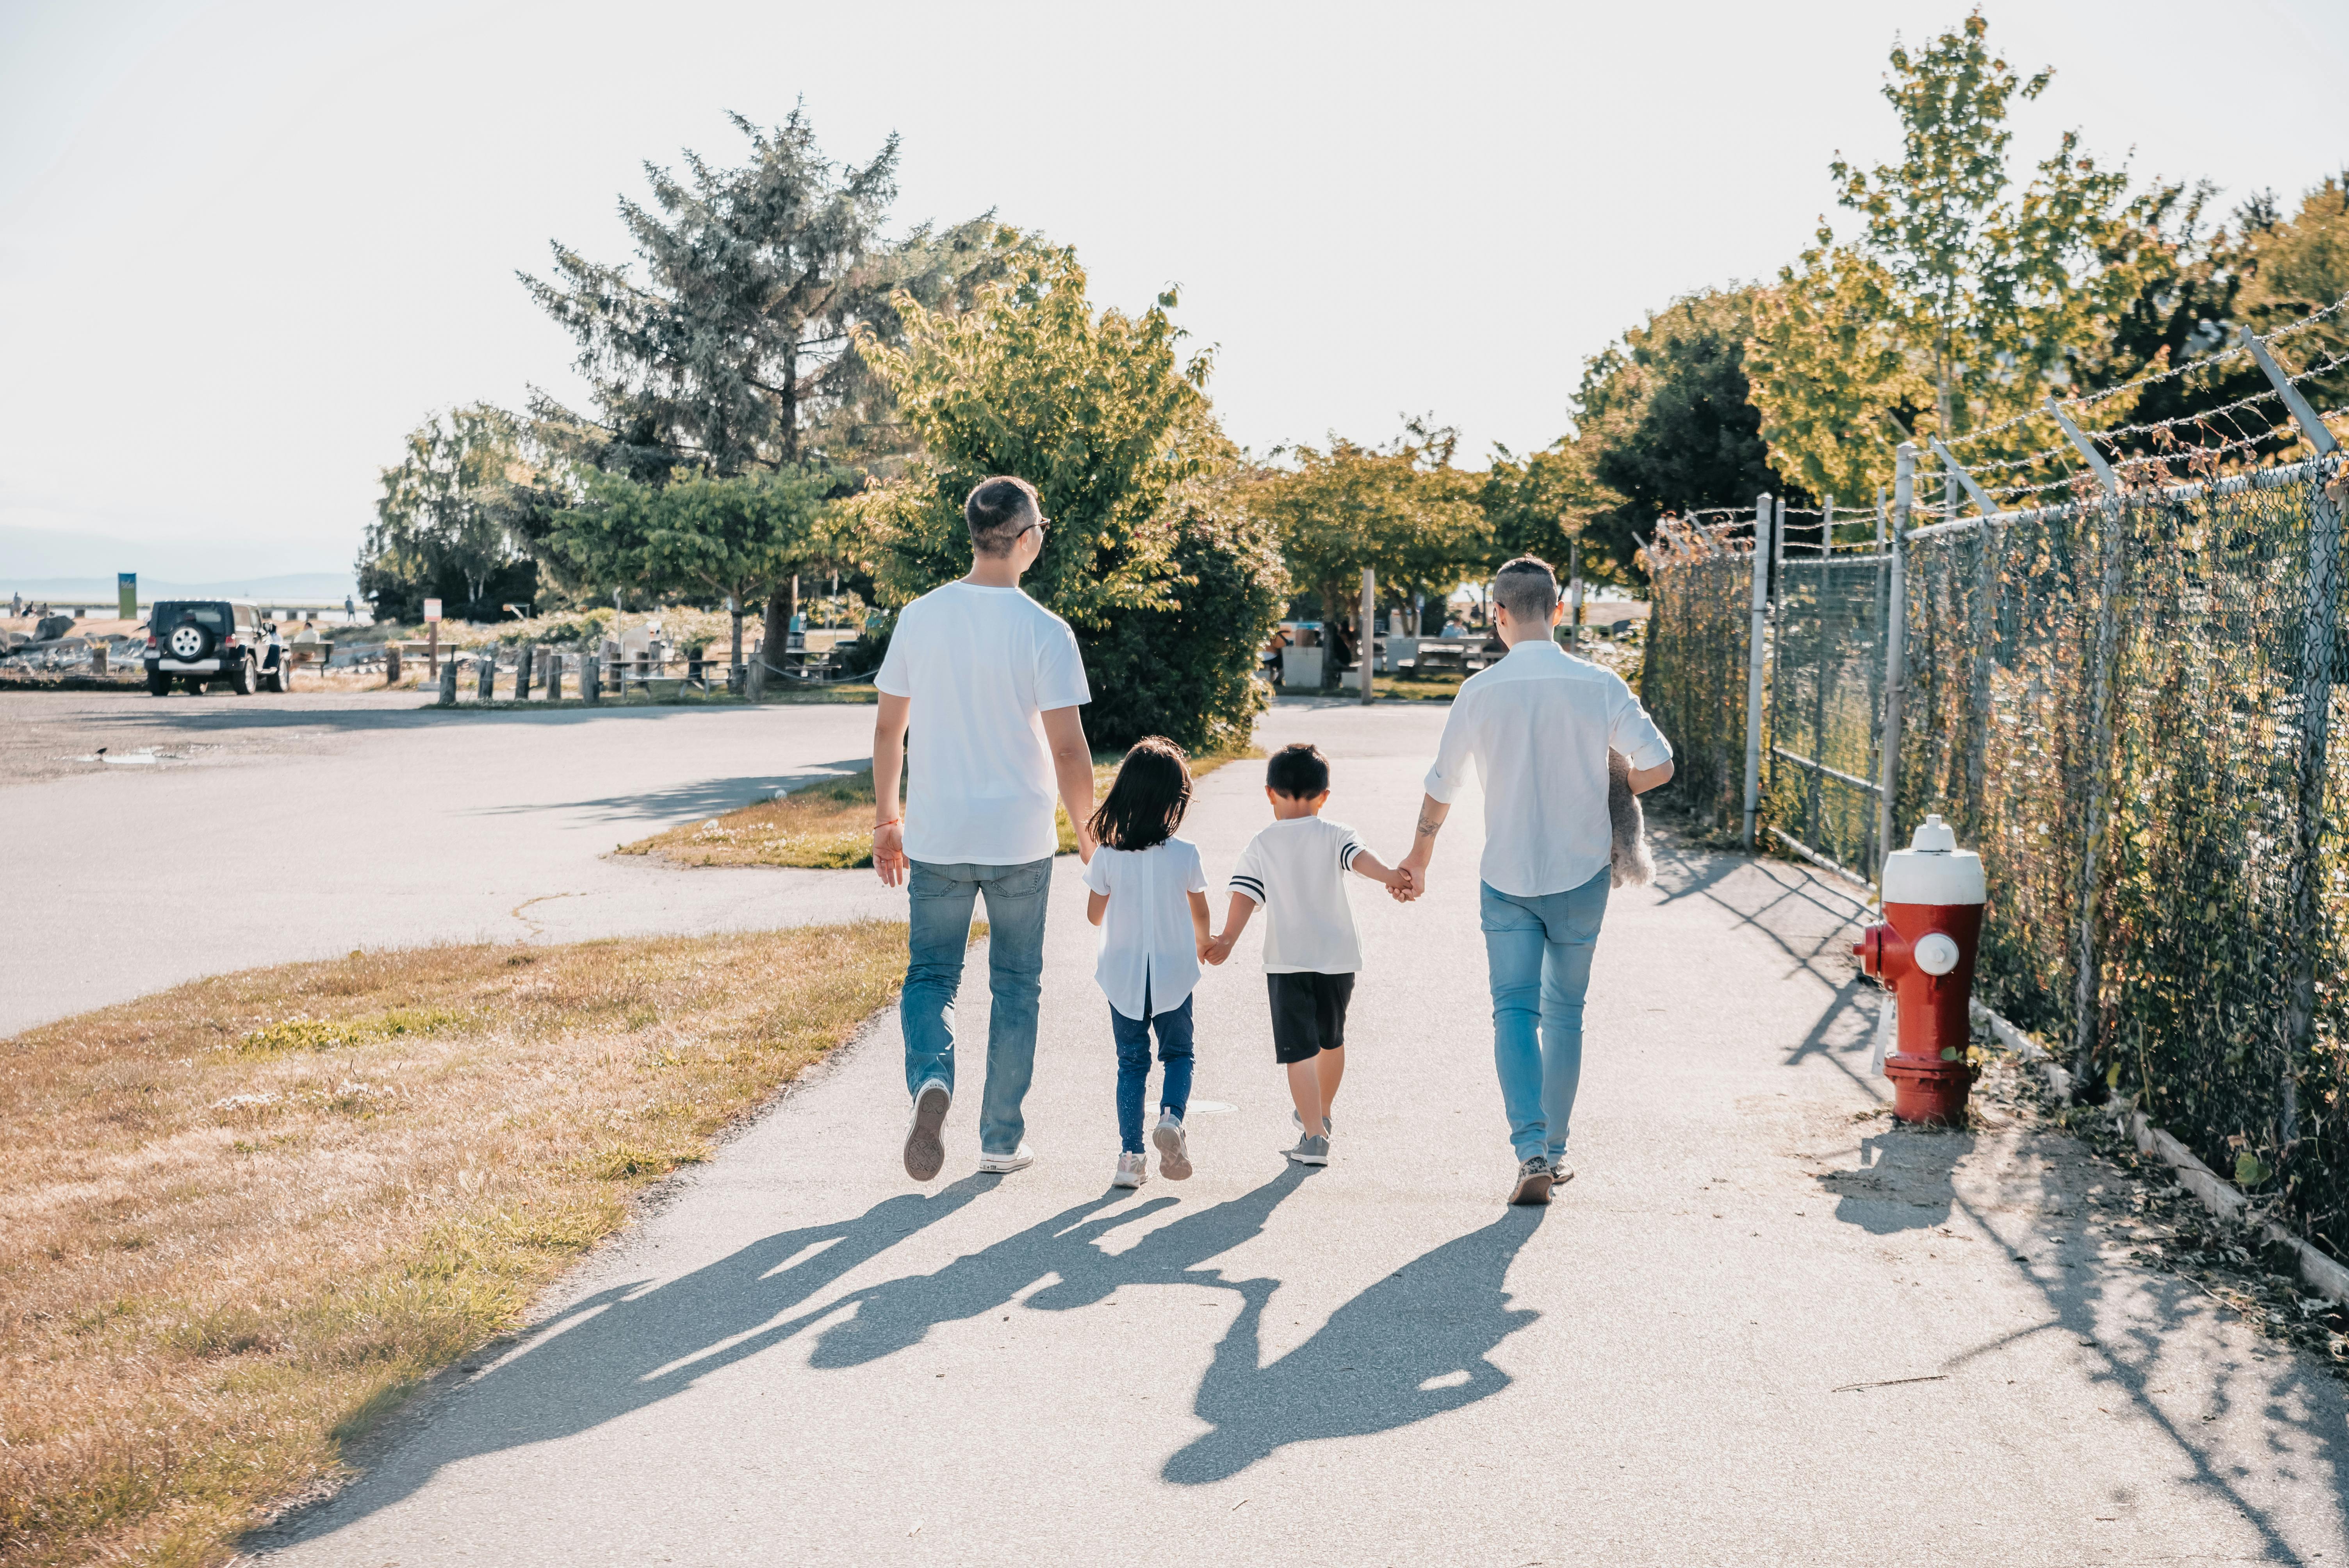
(2090, 399)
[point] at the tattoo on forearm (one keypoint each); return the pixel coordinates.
(1427, 825)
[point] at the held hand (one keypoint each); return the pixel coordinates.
(1402, 888)
(1086, 844)
(1415, 872)
(889, 860)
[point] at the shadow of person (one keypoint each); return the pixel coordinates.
(899, 1313)
(1905, 1181)
(627, 1347)
(1413, 1345)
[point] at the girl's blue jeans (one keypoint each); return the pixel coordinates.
(1539, 952)
(1132, 1036)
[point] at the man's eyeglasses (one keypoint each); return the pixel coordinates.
(1039, 526)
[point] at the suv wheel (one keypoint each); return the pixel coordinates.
(280, 679)
(188, 642)
(243, 682)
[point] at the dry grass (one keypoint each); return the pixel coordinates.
(828, 825)
(240, 1218)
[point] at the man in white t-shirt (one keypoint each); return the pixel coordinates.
(1538, 726)
(989, 682)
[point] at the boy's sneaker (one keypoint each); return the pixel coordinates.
(926, 1148)
(1328, 1129)
(1309, 1152)
(1173, 1148)
(1560, 1172)
(1133, 1170)
(1005, 1164)
(1532, 1183)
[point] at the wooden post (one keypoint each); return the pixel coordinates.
(489, 684)
(432, 647)
(591, 679)
(1368, 642)
(1574, 595)
(391, 664)
(526, 670)
(553, 676)
(449, 684)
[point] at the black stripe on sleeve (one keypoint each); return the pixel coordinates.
(1346, 853)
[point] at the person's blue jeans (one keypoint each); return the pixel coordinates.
(1132, 1036)
(1539, 952)
(940, 918)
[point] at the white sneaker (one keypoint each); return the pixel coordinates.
(1173, 1148)
(1133, 1170)
(1005, 1164)
(925, 1147)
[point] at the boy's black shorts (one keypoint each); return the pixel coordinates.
(1308, 1014)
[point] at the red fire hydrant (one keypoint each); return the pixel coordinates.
(1924, 952)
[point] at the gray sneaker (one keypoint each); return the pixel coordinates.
(1329, 1128)
(1532, 1183)
(1174, 1147)
(1133, 1169)
(1309, 1152)
(926, 1148)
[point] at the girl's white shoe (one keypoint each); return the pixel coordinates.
(1133, 1170)
(1174, 1147)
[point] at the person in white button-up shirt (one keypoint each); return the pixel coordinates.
(1538, 726)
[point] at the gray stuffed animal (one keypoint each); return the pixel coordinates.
(1629, 861)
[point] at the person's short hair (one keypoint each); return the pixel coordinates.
(998, 510)
(1527, 588)
(1298, 770)
(1147, 800)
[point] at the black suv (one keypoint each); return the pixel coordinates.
(205, 640)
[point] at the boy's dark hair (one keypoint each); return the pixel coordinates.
(1146, 801)
(1298, 770)
(999, 510)
(1527, 588)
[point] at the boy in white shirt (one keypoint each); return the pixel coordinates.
(1296, 867)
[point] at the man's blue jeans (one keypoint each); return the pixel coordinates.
(941, 906)
(1539, 952)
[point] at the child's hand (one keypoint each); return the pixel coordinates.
(1400, 886)
(1219, 949)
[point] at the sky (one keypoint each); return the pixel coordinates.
(246, 244)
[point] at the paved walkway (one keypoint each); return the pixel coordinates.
(799, 1357)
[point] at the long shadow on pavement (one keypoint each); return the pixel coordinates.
(1414, 1346)
(1907, 1180)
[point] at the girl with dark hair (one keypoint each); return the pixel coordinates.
(1143, 883)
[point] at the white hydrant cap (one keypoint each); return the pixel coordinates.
(1934, 869)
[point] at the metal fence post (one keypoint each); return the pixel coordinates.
(1896, 626)
(1368, 640)
(2087, 1008)
(1761, 559)
(2319, 638)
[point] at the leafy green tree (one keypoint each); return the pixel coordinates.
(1962, 300)
(737, 344)
(1402, 511)
(463, 503)
(1664, 421)
(715, 538)
(1104, 416)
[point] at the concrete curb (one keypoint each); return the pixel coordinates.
(2320, 1272)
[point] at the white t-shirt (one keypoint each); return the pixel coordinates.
(1296, 869)
(1146, 936)
(1538, 726)
(982, 667)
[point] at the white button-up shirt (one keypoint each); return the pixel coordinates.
(1148, 945)
(1539, 725)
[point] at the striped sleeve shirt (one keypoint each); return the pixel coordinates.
(1296, 869)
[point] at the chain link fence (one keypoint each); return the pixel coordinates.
(2126, 705)
(1694, 682)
